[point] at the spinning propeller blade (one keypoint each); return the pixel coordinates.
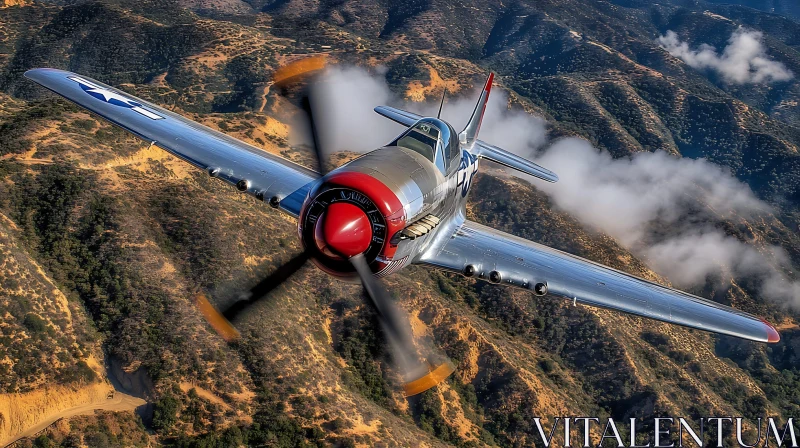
(220, 321)
(295, 71)
(305, 103)
(418, 376)
(284, 77)
(264, 287)
(393, 320)
(214, 318)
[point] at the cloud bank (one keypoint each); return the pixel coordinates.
(623, 196)
(744, 60)
(632, 200)
(662, 208)
(347, 96)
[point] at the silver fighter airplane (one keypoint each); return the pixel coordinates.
(398, 205)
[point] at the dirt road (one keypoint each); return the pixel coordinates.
(120, 402)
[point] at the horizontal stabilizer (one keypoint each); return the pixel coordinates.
(507, 159)
(399, 115)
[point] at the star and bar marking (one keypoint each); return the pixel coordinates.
(112, 97)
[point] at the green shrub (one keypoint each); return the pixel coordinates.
(34, 323)
(165, 413)
(78, 373)
(42, 442)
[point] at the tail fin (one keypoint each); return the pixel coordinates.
(468, 136)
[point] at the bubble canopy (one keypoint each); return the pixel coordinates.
(434, 139)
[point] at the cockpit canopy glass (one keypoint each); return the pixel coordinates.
(422, 138)
(434, 139)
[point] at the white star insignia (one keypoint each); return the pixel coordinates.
(108, 95)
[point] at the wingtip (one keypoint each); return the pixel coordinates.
(30, 73)
(546, 174)
(772, 334)
(36, 73)
(551, 176)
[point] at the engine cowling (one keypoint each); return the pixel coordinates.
(350, 213)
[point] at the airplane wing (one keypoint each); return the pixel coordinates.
(525, 264)
(250, 169)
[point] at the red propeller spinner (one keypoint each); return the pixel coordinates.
(343, 230)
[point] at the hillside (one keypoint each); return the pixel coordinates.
(104, 241)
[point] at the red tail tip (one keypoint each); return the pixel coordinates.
(489, 81)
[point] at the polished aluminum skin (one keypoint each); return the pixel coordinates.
(435, 185)
(408, 174)
(460, 245)
(524, 264)
(261, 174)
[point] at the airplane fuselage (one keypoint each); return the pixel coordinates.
(410, 201)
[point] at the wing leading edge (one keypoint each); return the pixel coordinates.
(250, 169)
(523, 264)
(401, 116)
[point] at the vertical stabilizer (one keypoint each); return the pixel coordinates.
(468, 136)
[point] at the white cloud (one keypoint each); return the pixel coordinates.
(621, 197)
(347, 96)
(690, 257)
(662, 208)
(744, 60)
